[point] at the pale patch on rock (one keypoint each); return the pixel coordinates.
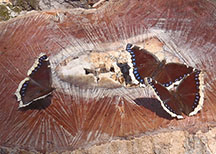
(97, 68)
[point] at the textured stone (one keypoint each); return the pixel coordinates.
(161, 142)
(82, 118)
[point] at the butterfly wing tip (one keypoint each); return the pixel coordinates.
(194, 112)
(191, 114)
(21, 105)
(179, 117)
(129, 46)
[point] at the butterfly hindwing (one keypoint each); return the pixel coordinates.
(31, 91)
(167, 100)
(172, 73)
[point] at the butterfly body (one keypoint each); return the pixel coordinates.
(125, 71)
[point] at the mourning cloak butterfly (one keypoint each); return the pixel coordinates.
(186, 98)
(145, 64)
(38, 83)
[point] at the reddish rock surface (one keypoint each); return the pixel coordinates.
(80, 118)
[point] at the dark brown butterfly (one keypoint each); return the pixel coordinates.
(186, 98)
(38, 83)
(145, 64)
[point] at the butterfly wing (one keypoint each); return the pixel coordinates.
(37, 85)
(41, 72)
(167, 100)
(191, 94)
(172, 73)
(29, 92)
(143, 63)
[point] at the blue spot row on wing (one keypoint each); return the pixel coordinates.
(40, 60)
(137, 75)
(169, 108)
(23, 89)
(196, 100)
(197, 95)
(197, 79)
(178, 79)
(36, 69)
(135, 69)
